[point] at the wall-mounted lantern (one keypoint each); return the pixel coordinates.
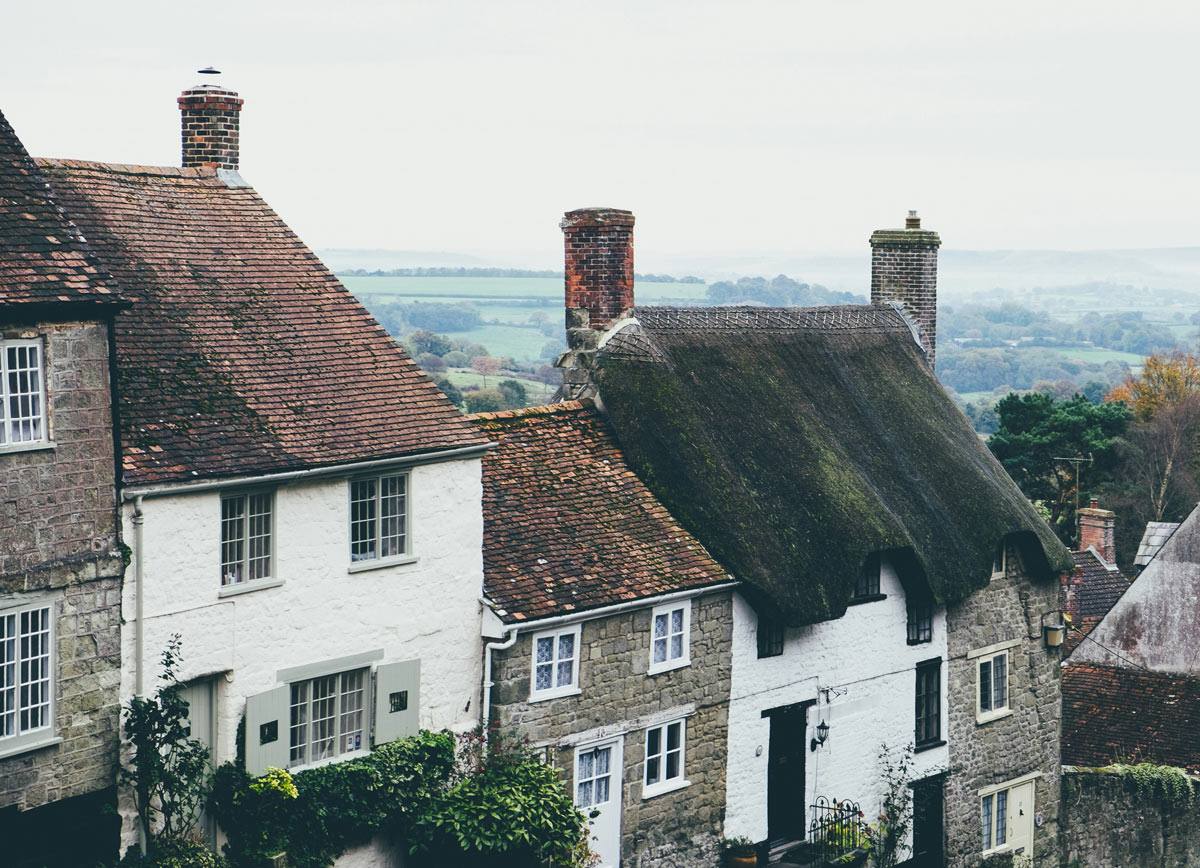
(1054, 630)
(822, 735)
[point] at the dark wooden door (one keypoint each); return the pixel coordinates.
(927, 823)
(785, 773)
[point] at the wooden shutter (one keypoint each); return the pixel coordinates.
(268, 741)
(397, 700)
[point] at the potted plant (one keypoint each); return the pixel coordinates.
(740, 852)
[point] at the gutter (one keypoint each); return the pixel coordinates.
(139, 491)
(589, 614)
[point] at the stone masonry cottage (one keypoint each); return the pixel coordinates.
(610, 630)
(301, 503)
(893, 578)
(60, 566)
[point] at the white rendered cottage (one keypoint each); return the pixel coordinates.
(301, 503)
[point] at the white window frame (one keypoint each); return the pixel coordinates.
(555, 690)
(992, 793)
(684, 658)
(38, 416)
(16, 733)
(340, 750)
(229, 583)
(369, 560)
(988, 656)
(665, 783)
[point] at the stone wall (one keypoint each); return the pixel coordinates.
(1107, 825)
(617, 697)
(1023, 742)
(59, 545)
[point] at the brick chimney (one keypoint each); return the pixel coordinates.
(210, 126)
(904, 270)
(598, 247)
(1097, 529)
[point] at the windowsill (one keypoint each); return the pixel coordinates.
(671, 666)
(869, 598)
(248, 587)
(559, 693)
(29, 447)
(919, 641)
(989, 716)
(343, 757)
(380, 563)
(49, 741)
(663, 789)
(929, 745)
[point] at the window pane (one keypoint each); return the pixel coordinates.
(601, 790)
(1001, 817)
(34, 692)
(1000, 681)
(602, 757)
(660, 650)
(352, 711)
(299, 723)
(677, 621)
(583, 797)
(587, 763)
(545, 650)
(392, 513)
(259, 520)
(985, 817)
(362, 520)
(233, 535)
(324, 701)
(660, 626)
(673, 731)
(566, 646)
(654, 741)
(565, 671)
(677, 647)
(8, 675)
(652, 773)
(985, 686)
(23, 398)
(542, 676)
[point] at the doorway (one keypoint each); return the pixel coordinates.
(928, 831)
(201, 697)
(598, 789)
(786, 772)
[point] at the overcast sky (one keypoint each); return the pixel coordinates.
(726, 127)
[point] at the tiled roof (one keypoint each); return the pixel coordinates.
(568, 526)
(42, 258)
(1093, 589)
(242, 354)
(1111, 714)
(1157, 533)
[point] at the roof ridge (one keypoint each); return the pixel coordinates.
(128, 168)
(537, 410)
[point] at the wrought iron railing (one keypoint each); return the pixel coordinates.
(836, 828)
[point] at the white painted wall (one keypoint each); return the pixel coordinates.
(428, 609)
(866, 661)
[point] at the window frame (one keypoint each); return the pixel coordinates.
(919, 621)
(42, 419)
(362, 562)
(555, 690)
(270, 578)
(868, 584)
(30, 738)
(685, 656)
(365, 691)
(987, 657)
(674, 782)
(921, 711)
(1000, 560)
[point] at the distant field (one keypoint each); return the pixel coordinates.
(537, 393)
(1100, 356)
(509, 301)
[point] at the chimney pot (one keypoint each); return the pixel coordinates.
(912, 221)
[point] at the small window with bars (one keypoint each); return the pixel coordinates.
(328, 716)
(26, 670)
(920, 621)
(770, 637)
(22, 393)
(246, 531)
(379, 518)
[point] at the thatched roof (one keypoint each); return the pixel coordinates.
(795, 442)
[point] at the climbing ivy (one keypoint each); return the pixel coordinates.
(1170, 784)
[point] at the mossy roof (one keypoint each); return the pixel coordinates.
(796, 442)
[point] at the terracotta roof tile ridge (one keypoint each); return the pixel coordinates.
(126, 168)
(562, 408)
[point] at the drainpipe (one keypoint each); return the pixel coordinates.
(139, 654)
(487, 672)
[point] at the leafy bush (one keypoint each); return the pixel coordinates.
(1171, 785)
(173, 853)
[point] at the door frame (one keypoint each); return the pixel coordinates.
(206, 823)
(800, 709)
(616, 786)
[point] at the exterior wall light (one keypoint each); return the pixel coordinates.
(1055, 630)
(822, 735)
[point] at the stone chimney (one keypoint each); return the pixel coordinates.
(1097, 530)
(904, 270)
(598, 246)
(210, 126)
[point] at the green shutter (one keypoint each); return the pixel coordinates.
(268, 740)
(397, 700)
